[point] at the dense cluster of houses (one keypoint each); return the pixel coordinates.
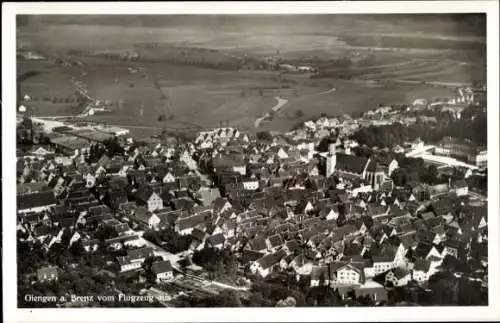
(333, 217)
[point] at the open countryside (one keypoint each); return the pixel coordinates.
(163, 75)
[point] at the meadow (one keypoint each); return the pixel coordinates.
(186, 76)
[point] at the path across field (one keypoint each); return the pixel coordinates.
(276, 108)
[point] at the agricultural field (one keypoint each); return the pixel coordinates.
(198, 76)
(185, 95)
(352, 98)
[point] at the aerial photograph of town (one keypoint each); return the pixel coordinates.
(319, 160)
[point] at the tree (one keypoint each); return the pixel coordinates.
(77, 248)
(113, 147)
(106, 232)
(288, 302)
(227, 298)
(264, 136)
(148, 262)
(444, 287)
(65, 237)
(324, 144)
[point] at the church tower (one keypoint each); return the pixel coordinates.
(331, 159)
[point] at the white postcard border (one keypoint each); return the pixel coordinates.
(12, 314)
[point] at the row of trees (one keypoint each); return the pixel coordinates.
(414, 170)
(163, 117)
(444, 289)
(170, 239)
(397, 133)
(59, 99)
(220, 264)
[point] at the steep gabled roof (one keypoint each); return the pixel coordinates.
(319, 272)
(33, 200)
(386, 255)
(161, 267)
(257, 244)
(143, 194)
(143, 252)
(216, 239)
(422, 250)
(190, 221)
(422, 265)
(275, 240)
(271, 259)
(351, 163)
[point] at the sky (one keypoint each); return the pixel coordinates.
(456, 25)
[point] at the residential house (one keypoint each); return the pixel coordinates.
(126, 264)
(216, 241)
(140, 254)
(185, 225)
(221, 205)
(258, 245)
(350, 274)
(383, 261)
(35, 202)
(162, 271)
(47, 274)
(274, 242)
(265, 265)
(398, 276)
(302, 265)
(148, 197)
(117, 197)
(460, 187)
(347, 166)
(319, 276)
(373, 290)
(421, 270)
(453, 248)
(208, 195)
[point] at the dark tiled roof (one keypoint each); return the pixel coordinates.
(442, 206)
(144, 252)
(319, 272)
(386, 255)
(271, 259)
(183, 203)
(143, 194)
(250, 255)
(35, 200)
(216, 239)
(190, 222)
(276, 240)
(28, 188)
(422, 249)
(42, 230)
(351, 163)
(257, 244)
(292, 245)
(423, 233)
(422, 265)
(161, 267)
(198, 234)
